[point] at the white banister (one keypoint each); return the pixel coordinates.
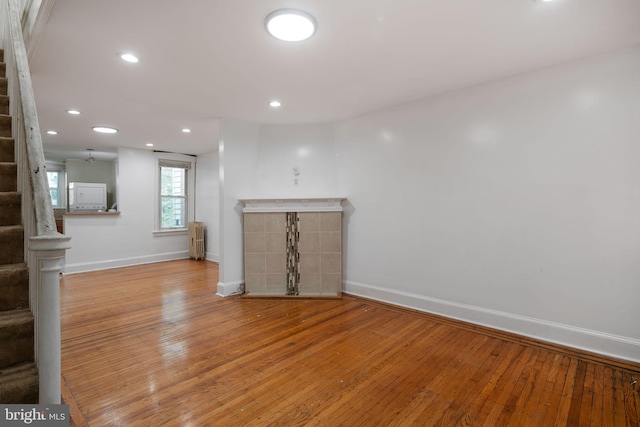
(44, 246)
(45, 220)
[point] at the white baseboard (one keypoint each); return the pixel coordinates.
(210, 256)
(123, 262)
(584, 339)
(229, 288)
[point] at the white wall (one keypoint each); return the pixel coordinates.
(514, 204)
(113, 241)
(257, 162)
(208, 202)
(238, 150)
(307, 148)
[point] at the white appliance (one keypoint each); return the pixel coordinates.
(87, 196)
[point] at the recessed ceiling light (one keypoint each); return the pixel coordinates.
(290, 25)
(104, 129)
(186, 130)
(149, 144)
(52, 132)
(275, 104)
(129, 57)
(73, 112)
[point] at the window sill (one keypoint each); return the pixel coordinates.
(91, 213)
(176, 232)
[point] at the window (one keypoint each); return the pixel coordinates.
(57, 188)
(174, 194)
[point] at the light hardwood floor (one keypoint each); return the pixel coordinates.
(154, 346)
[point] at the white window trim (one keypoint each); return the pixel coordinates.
(191, 194)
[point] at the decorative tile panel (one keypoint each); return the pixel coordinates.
(293, 252)
(293, 255)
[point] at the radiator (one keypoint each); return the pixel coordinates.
(196, 241)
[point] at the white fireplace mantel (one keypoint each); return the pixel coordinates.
(311, 204)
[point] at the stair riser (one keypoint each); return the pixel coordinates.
(17, 344)
(5, 125)
(11, 245)
(7, 150)
(3, 86)
(14, 288)
(8, 177)
(10, 215)
(4, 104)
(10, 209)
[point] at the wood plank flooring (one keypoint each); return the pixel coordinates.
(153, 345)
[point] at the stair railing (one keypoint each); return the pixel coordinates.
(44, 246)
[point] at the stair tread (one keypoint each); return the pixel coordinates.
(17, 371)
(7, 227)
(9, 194)
(11, 274)
(15, 317)
(15, 267)
(19, 384)
(15, 374)
(11, 228)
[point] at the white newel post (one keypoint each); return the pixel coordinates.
(49, 249)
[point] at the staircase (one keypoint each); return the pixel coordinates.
(18, 373)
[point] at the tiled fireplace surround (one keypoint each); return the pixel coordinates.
(293, 247)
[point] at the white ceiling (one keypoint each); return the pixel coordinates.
(203, 60)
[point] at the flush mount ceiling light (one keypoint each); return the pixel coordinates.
(104, 129)
(275, 104)
(73, 112)
(52, 132)
(186, 130)
(129, 57)
(290, 25)
(149, 144)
